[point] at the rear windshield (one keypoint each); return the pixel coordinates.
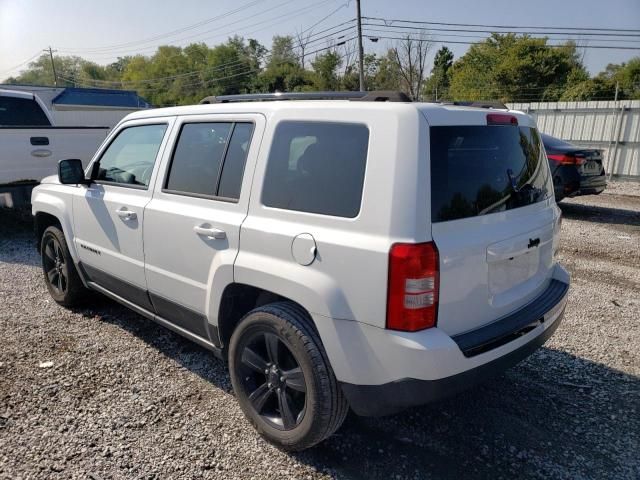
(554, 142)
(21, 112)
(477, 170)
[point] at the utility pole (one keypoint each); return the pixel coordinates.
(53, 65)
(360, 49)
(613, 153)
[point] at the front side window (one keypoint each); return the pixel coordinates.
(317, 167)
(130, 157)
(478, 170)
(19, 112)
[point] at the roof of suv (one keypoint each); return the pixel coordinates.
(269, 107)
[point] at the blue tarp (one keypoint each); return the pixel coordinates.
(101, 97)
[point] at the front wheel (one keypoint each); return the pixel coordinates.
(283, 379)
(60, 274)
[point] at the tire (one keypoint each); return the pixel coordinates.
(60, 274)
(276, 360)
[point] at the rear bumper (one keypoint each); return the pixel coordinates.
(459, 363)
(590, 185)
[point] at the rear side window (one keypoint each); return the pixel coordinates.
(234, 162)
(21, 112)
(209, 159)
(477, 170)
(198, 157)
(317, 167)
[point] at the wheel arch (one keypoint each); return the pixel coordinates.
(238, 299)
(49, 209)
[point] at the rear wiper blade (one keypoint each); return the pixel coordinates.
(513, 181)
(525, 188)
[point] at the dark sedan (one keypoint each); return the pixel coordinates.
(575, 170)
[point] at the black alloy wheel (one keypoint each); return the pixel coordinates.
(273, 380)
(55, 266)
(282, 377)
(60, 274)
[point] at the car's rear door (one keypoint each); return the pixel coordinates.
(192, 224)
(108, 215)
(493, 215)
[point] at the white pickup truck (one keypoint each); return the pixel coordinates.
(34, 137)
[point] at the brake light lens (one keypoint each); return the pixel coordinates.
(501, 119)
(414, 284)
(566, 159)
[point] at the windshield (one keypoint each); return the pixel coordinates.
(478, 170)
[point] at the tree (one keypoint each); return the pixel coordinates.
(282, 52)
(511, 67)
(437, 85)
(626, 76)
(70, 70)
(325, 67)
(410, 55)
(387, 74)
(302, 39)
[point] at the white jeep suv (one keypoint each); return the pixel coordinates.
(338, 252)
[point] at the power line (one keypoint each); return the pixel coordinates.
(215, 68)
(231, 65)
(30, 59)
(173, 32)
(502, 26)
(464, 30)
(324, 18)
(610, 47)
(420, 31)
(278, 19)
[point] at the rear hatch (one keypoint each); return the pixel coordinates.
(493, 215)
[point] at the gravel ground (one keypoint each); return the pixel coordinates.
(103, 393)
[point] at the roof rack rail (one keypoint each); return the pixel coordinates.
(376, 96)
(483, 104)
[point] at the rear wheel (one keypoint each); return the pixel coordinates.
(283, 379)
(60, 274)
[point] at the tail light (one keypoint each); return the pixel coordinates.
(501, 119)
(412, 300)
(566, 159)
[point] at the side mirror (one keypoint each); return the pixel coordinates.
(70, 172)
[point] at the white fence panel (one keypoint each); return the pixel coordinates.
(611, 126)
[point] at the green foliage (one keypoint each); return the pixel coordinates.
(69, 70)
(504, 67)
(325, 67)
(510, 67)
(437, 85)
(603, 87)
(282, 52)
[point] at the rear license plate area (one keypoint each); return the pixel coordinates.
(591, 168)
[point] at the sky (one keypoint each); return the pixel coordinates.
(103, 30)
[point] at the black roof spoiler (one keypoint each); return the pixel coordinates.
(481, 104)
(376, 96)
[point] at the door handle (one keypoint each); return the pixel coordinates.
(125, 214)
(210, 232)
(39, 141)
(41, 153)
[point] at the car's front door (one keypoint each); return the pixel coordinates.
(108, 214)
(192, 224)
